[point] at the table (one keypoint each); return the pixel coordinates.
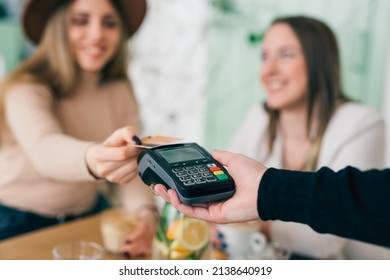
(38, 245)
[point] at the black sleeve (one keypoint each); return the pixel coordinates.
(348, 203)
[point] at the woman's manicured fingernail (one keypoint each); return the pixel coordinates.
(136, 140)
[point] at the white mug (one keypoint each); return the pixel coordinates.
(236, 238)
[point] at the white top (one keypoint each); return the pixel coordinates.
(355, 136)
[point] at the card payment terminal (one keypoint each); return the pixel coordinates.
(187, 168)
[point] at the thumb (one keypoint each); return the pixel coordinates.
(223, 157)
(121, 137)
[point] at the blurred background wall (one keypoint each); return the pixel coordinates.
(168, 68)
(11, 38)
(194, 63)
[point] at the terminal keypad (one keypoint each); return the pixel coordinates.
(199, 174)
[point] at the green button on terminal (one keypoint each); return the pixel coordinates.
(222, 177)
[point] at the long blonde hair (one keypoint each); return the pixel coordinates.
(54, 64)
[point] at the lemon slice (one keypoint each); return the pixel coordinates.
(177, 251)
(178, 255)
(177, 246)
(192, 234)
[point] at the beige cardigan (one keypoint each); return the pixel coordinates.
(43, 144)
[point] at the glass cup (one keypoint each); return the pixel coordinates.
(116, 224)
(78, 250)
(179, 237)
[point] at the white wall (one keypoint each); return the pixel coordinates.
(168, 68)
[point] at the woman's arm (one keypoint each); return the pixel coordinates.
(30, 115)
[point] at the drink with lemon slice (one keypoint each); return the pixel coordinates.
(179, 236)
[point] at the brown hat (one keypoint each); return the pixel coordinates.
(37, 12)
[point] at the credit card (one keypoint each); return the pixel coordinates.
(158, 140)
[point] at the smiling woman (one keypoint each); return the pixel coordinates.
(307, 123)
(68, 114)
(94, 33)
(283, 71)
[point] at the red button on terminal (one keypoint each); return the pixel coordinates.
(215, 168)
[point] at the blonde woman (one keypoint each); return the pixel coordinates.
(68, 114)
(306, 123)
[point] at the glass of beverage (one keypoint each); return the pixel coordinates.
(78, 250)
(116, 224)
(179, 236)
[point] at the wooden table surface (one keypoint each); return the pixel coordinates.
(38, 245)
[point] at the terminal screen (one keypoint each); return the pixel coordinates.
(181, 154)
